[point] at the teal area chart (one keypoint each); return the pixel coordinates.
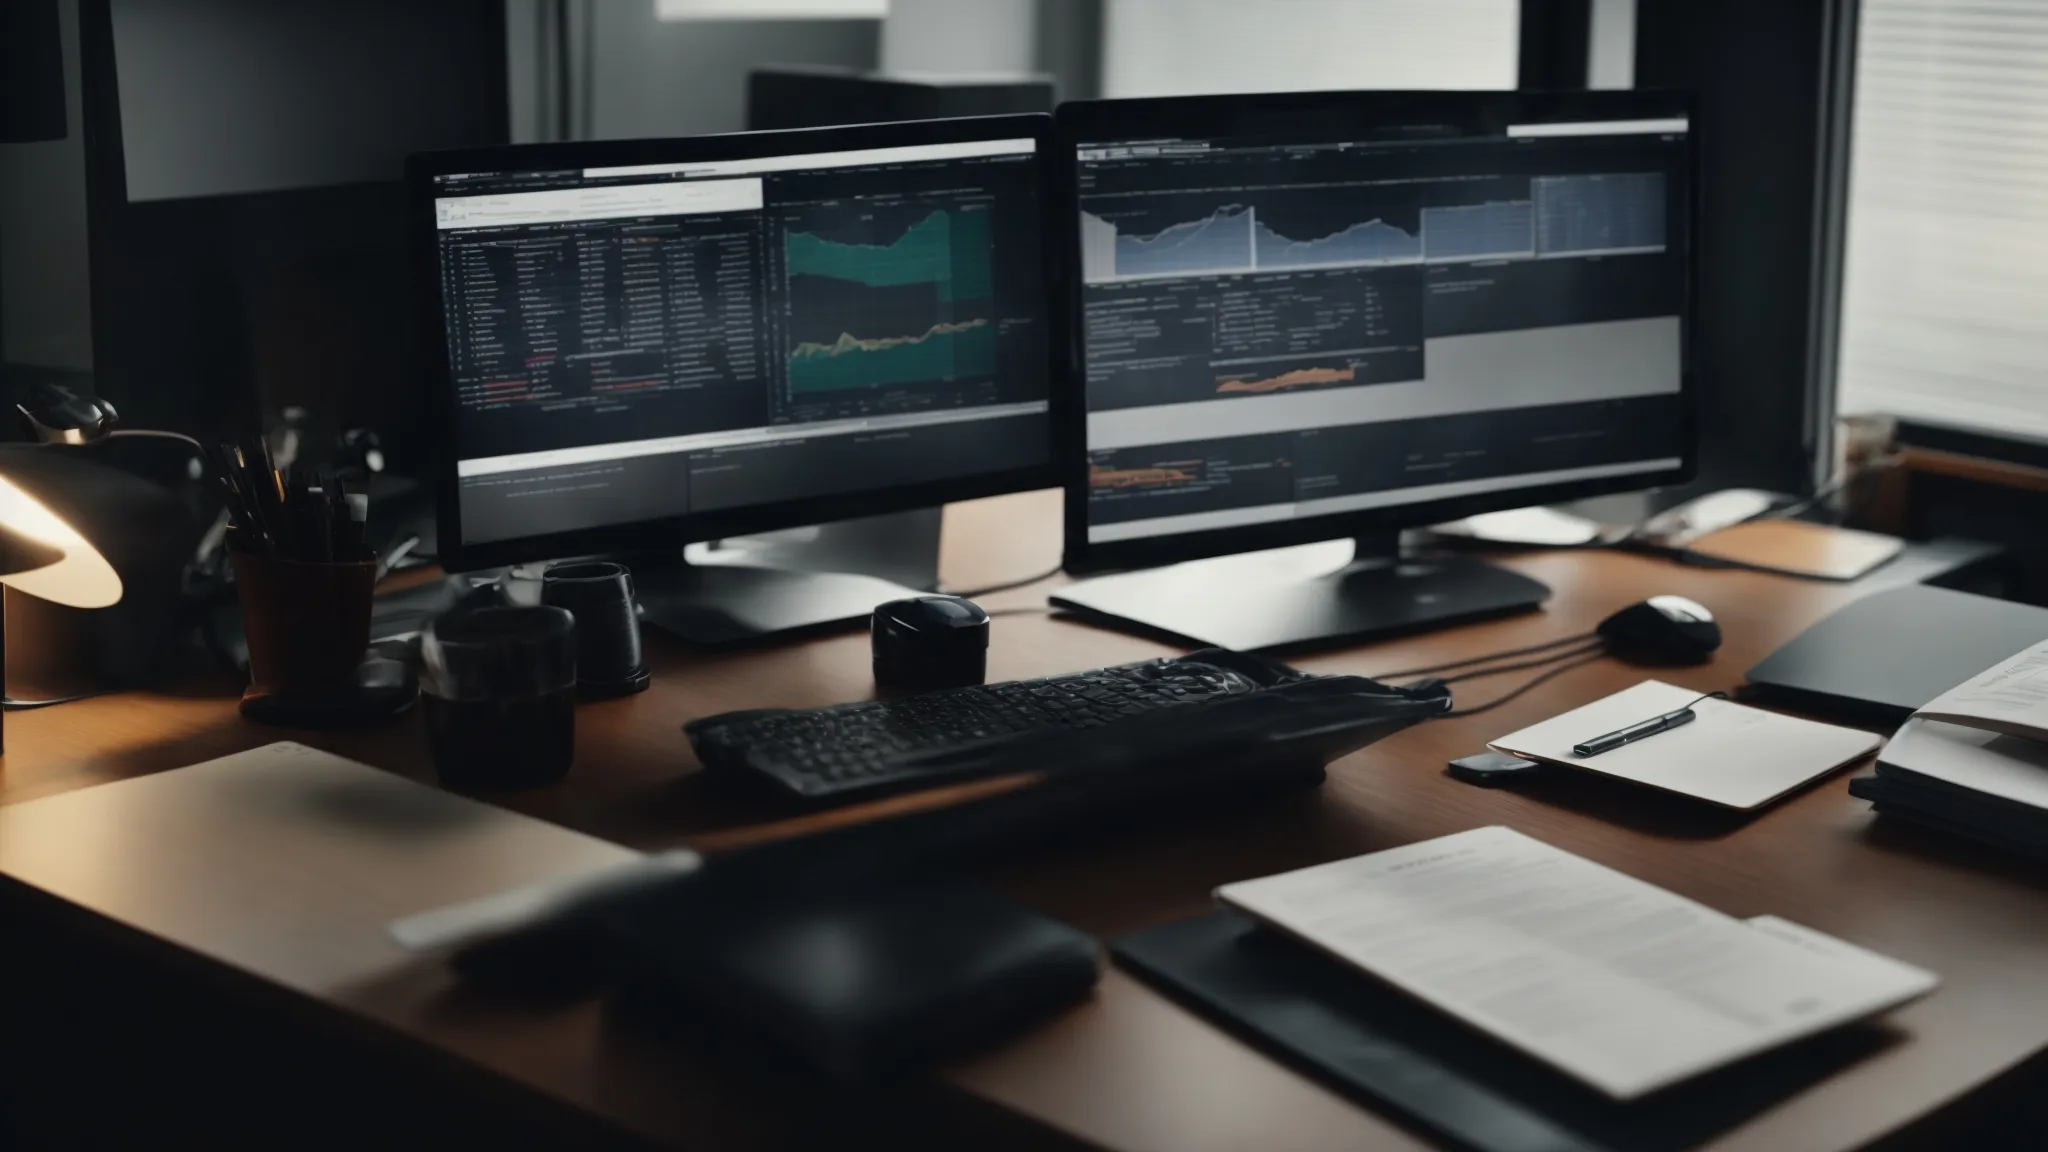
(889, 299)
(949, 249)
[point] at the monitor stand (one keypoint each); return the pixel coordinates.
(901, 547)
(727, 605)
(746, 590)
(1304, 597)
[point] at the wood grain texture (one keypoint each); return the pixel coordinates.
(1129, 1070)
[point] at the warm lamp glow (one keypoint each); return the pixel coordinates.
(82, 579)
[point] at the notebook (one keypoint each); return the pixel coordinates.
(1613, 981)
(1732, 755)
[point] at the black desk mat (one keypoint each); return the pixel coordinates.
(1436, 1076)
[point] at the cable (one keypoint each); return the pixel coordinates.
(1026, 610)
(1491, 656)
(1598, 645)
(992, 589)
(1514, 693)
(13, 705)
(155, 434)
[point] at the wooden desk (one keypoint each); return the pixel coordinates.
(1129, 1070)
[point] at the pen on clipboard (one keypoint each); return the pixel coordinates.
(1620, 737)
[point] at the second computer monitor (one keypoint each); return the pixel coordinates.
(1324, 315)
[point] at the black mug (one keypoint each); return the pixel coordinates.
(600, 595)
(499, 686)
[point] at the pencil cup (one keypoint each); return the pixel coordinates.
(307, 624)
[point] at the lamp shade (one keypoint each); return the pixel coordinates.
(79, 574)
(20, 553)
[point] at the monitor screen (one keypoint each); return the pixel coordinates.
(1286, 327)
(644, 342)
(230, 97)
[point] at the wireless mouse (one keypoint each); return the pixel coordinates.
(1662, 629)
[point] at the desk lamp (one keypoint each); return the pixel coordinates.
(43, 555)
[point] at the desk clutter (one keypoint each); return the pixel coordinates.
(1974, 760)
(502, 679)
(1592, 1010)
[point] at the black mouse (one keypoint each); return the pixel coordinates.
(1663, 629)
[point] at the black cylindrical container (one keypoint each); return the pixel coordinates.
(599, 594)
(499, 686)
(929, 642)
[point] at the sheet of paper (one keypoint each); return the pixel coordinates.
(1732, 755)
(2011, 767)
(1614, 981)
(1876, 968)
(2011, 696)
(284, 860)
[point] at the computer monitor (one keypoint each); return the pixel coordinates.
(245, 164)
(1305, 317)
(644, 344)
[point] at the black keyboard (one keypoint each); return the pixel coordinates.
(874, 746)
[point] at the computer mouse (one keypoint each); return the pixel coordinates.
(1662, 629)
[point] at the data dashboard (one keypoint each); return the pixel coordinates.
(643, 342)
(1284, 328)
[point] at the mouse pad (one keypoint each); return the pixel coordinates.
(1797, 548)
(1424, 1070)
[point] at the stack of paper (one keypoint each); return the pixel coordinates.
(1975, 760)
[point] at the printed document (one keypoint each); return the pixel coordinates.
(1616, 982)
(2010, 697)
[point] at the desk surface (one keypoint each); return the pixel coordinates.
(1129, 1070)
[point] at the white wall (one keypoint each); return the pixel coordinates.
(686, 78)
(1611, 46)
(951, 36)
(1185, 47)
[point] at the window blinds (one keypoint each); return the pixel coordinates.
(1945, 276)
